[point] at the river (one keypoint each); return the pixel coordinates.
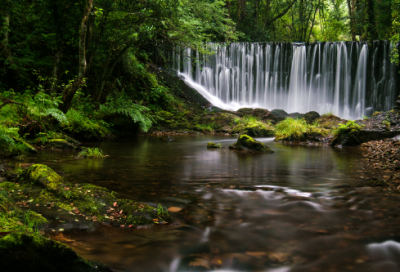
(293, 210)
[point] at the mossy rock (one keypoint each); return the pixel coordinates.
(64, 137)
(246, 142)
(213, 145)
(33, 252)
(255, 129)
(311, 116)
(78, 206)
(61, 144)
(43, 175)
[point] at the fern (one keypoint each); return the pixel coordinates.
(121, 104)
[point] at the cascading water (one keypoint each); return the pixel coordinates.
(349, 79)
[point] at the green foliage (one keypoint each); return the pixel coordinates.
(295, 129)
(350, 126)
(95, 153)
(86, 126)
(206, 127)
(162, 212)
(214, 145)
(121, 104)
(252, 126)
(8, 143)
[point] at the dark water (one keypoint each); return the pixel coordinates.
(240, 211)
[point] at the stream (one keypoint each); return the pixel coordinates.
(293, 210)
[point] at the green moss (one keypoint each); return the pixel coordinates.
(376, 113)
(95, 153)
(246, 142)
(253, 127)
(43, 175)
(213, 145)
(33, 252)
(61, 144)
(292, 129)
(351, 127)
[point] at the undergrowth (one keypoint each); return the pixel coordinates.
(296, 129)
(252, 126)
(350, 126)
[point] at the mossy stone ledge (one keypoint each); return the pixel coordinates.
(61, 144)
(84, 207)
(246, 142)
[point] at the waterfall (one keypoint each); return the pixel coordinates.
(348, 79)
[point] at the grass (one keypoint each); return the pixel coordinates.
(328, 114)
(296, 129)
(95, 153)
(252, 126)
(350, 126)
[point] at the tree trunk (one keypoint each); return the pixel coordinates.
(70, 92)
(228, 7)
(241, 12)
(351, 6)
(55, 70)
(107, 74)
(6, 28)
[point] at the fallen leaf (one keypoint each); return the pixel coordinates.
(174, 209)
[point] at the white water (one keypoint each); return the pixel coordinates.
(337, 77)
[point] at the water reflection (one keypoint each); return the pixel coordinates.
(240, 211)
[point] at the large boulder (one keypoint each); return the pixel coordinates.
(246, 142)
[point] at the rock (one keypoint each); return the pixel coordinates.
(357, 137)
(213, 145)
(279, 115)
(245, 142)
(311, 116)
(33, 252)
(262, 114)
(214, 109)
(2, 179)
(167, 138)
(61, 144)
(43, 175)
(225, 129)
(296, 115)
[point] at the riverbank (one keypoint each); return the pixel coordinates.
(36, 203)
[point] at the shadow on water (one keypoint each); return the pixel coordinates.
(238, 211)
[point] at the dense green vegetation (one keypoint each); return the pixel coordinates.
(84, 68)
(310, 20)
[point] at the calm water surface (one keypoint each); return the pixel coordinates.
(240, 211)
